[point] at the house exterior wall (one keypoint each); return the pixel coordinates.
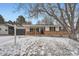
(46, 28)
(3, 30)
(46, 31)
(56, 33)
(27, 30)
(34, 32)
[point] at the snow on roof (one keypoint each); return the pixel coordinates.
(43, 25)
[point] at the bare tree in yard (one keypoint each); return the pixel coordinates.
(46, 20)
(66, 14)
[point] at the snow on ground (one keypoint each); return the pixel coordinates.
(38, 46)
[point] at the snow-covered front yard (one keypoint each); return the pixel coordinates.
(38, 46)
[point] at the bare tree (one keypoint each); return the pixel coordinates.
(66, 14)
(46, 20)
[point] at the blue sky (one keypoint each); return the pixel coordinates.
(7, 11)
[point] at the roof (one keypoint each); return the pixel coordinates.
(42, 25)
(3, 24)
(20, 27)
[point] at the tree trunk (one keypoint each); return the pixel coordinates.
(73, 36)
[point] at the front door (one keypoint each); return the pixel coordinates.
(42, 30)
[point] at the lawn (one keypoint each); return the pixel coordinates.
(38, 46)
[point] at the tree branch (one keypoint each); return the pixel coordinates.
(62, 16)
(77, 25)
(67, 14)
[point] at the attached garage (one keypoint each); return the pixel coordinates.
(20, 31)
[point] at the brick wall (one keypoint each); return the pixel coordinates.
(56, 33)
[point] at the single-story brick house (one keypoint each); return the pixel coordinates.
(34, 29)
(47, 30)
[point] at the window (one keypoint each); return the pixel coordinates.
(52, 28)
(31, 29)
(5, 29)
(37, 29)
(61, 29)
(0, 28)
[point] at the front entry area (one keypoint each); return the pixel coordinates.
(42, 30)
(36, 31)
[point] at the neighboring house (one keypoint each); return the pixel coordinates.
(8, 29)
(3, 29)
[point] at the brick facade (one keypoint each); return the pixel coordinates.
(45, 30)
